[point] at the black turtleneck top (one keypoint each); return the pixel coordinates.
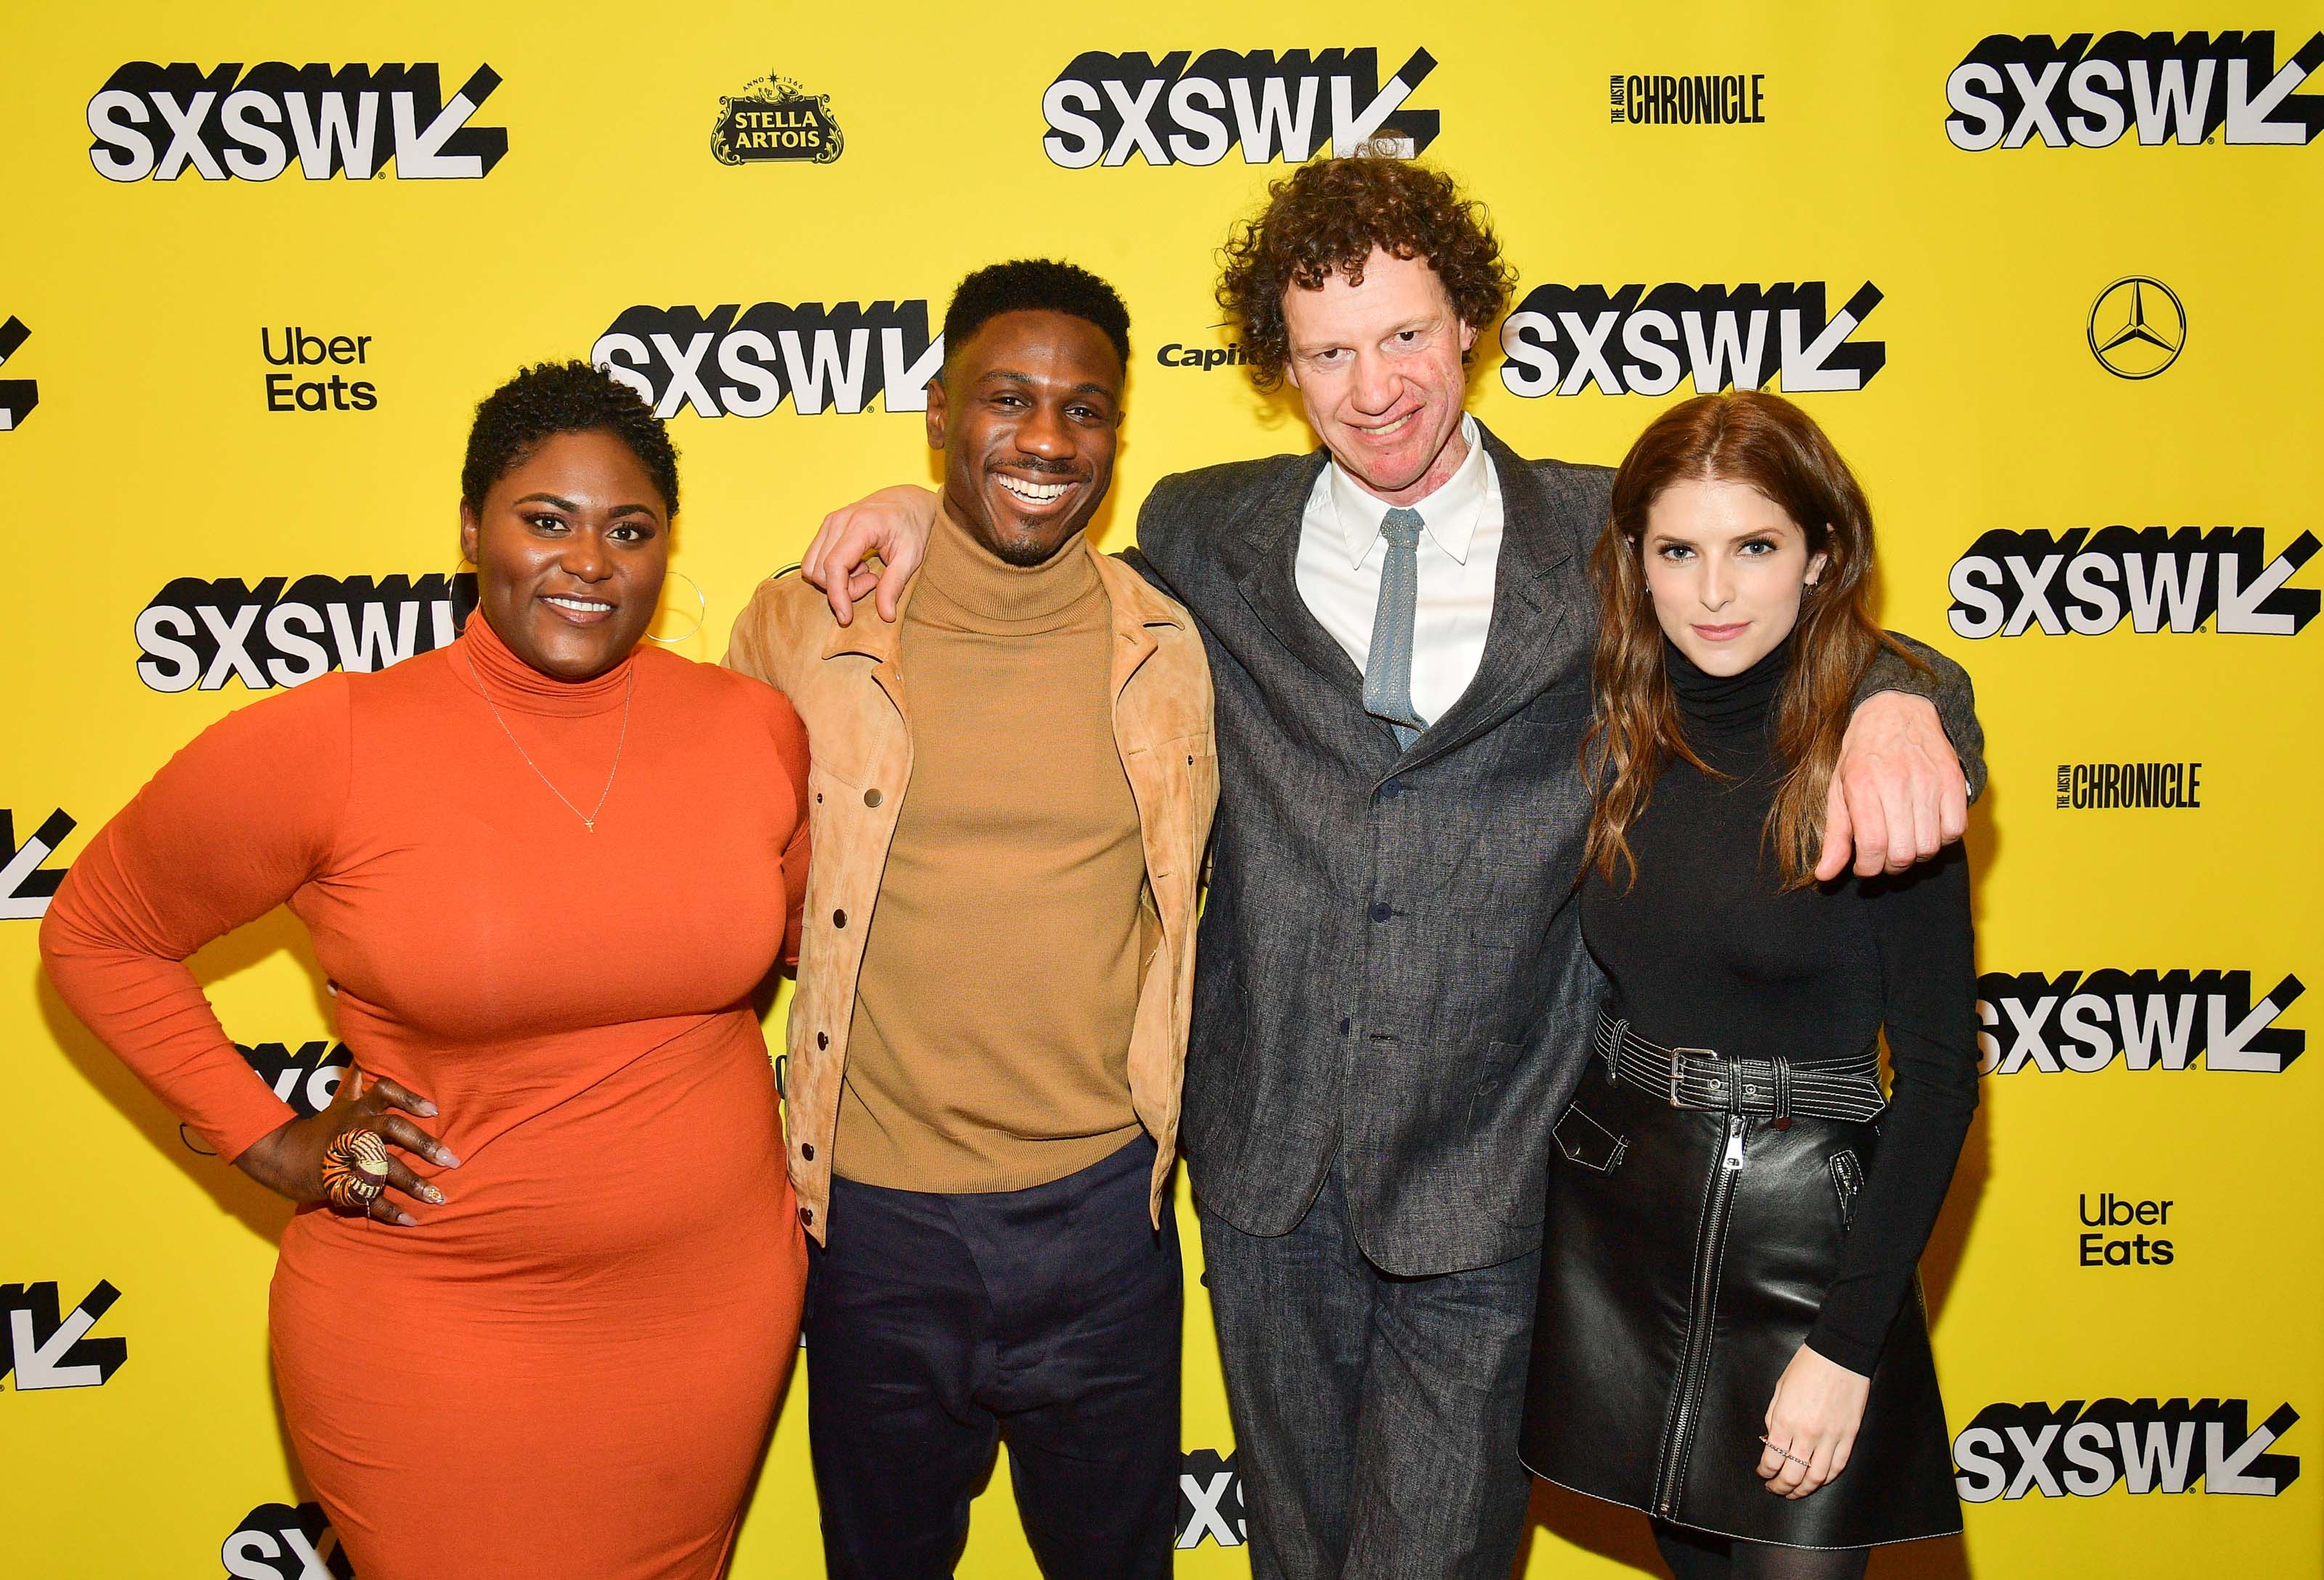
(1706, 951)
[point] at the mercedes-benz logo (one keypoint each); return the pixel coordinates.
(2137, 327)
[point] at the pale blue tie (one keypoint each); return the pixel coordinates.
(1387, 671)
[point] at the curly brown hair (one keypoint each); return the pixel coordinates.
(1326, 217)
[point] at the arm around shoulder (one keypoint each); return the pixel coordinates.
(1946, 687)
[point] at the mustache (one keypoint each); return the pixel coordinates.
(1062, 470)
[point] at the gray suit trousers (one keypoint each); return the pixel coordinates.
(1376, 1414)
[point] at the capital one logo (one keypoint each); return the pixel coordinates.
(2010, 92)
(2159, 579)
(1210, 1502)
(1194, 109)
(729, 363)
(2083, 1021)
(46, 1347)
(199, 635)
(1563, 338)
(275, 1541)
(2084, 1450)
(26, 886)
(165, 121)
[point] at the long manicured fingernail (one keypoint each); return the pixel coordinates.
(427, 1109)
(432, 1194)
(444, 1156)
(406, 1221)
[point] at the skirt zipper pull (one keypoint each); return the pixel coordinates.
(1734, 1158)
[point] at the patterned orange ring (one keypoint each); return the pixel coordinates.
(355, 1170)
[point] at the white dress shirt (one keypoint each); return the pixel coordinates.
(1342, 554)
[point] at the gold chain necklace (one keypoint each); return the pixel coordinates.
(589, 818)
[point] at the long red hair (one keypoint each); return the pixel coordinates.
(1764, 441)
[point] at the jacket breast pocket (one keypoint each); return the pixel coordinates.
(1584, 1142)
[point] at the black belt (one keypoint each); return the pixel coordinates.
(1773, 1088)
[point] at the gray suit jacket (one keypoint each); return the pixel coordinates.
(1390, 968)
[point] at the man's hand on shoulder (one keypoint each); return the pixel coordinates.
(1897, 795)
(892, 524)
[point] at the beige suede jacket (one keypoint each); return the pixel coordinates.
(845, 684)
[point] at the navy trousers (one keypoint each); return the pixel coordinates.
(940, 1325)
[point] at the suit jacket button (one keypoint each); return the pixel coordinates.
(823, 1040)
(807, 1150)
(839, 918)
(871, 798)
(807, 1216)
(1382, 911)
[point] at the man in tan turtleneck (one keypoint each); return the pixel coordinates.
(995, 982)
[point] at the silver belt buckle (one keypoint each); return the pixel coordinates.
(1676, 1053)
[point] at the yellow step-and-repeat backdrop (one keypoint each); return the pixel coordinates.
(2047, 272)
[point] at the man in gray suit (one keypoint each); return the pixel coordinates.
(1392, 998)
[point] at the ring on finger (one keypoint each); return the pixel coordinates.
(355, 1170)
(1787, 1454)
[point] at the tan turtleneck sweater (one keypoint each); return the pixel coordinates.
(991, 1042)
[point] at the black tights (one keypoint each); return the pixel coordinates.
(1697, 1555)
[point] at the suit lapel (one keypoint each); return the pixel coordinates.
(1266, 574)
(1538, 591)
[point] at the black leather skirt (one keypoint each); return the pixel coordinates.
(1674, 1290)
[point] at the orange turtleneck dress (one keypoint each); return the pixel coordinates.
(569, 1367)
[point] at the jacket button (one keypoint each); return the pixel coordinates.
(823, 1040)
(818, 798)
(806, 1215)
(1391, 789)
(807, 1150)
(839, 918)
(1343, 1025)
(871, 798)
(1382, 911)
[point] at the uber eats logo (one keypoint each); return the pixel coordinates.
(26, 886)
(2159, 579)
(1194, 109)
(306, 1076)
(2010, 91)
(2084, 1021)
(275, 1541)
(729, 362)
(2084, 1449)
(44, 1346)
(1631, 340)
(226, 124)
(199, 635)
(1210, 1502)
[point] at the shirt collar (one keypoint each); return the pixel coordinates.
(1449, 516)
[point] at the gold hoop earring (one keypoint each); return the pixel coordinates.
(702, 611)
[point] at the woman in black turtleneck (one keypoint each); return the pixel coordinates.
(1729, 1333)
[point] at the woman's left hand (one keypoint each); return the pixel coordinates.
(1813, 1417)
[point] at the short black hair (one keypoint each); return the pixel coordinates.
(1037, 286)
(551, 398)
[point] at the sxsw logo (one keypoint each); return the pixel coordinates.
(729, 363)
(1192, 109)
(2010, 91)
(306, 1076)
(2080, 1450)
(276, 1542)
(2159, 579)
(17, 396)
(201, 634)
(45, 1349)
(2084, 1021)
(165, 122)
(1210, 1502)
(26, 886)
(1564, 338)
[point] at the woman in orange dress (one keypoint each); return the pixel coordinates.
(545, 871)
